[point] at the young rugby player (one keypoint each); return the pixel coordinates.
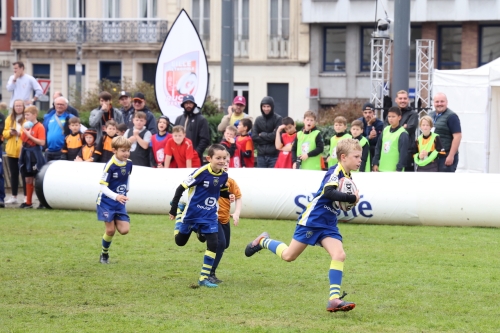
(317, 225)
(205, 185)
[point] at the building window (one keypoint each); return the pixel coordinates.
(415, 33)
(76, 8)
(366, 52)
(72, 80)
(111, 70)
(201, 20)
(42, 30)
(41, 8)
(111, 30)
(489, 44)
(149, 73)
(450, 47)
(42, 71)
(147, 30)
(111, 8)
(148, 8)
(279, 28)
(241, 29)
(334, 44)
(3, 17)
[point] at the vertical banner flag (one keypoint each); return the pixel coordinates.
(182, 68)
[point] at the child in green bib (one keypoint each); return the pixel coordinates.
(392, 146)
(357, 133)
(340, 127)
(428, 146)
(307, 149)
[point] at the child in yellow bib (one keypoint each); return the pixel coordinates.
(428, 146)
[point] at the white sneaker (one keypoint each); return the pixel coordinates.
(12, 200)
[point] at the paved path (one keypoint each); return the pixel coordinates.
(20, 198)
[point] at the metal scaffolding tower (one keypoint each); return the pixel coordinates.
(423, 76)
(380, 72)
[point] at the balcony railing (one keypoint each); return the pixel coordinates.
(278, 47)
(69, 30)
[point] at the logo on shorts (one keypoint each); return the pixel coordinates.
(309, 234)
(216, 181)
(124, 171)
(105, 214)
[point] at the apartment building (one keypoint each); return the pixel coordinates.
(7, 56)
(466, 35)
(122, 39)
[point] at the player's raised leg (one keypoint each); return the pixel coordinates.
(335, 249)
(287, 253)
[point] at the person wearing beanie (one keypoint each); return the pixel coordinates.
(195, 125)
(264, 134)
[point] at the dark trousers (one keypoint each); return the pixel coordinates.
(224, 234)
(2, 180)
(52, 155)
(444, 168)
(14, 175)
(266, 161)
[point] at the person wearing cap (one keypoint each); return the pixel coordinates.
(195, 125)
(139, 104)
(127, 108)
(372, 127)
(106, 111)
(235, 112)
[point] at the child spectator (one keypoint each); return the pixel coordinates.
(428, 146)
(73, 142)
(285, 136)
(340, 127)
(179, 151)
(307, 149)
(12, 135)
(140, 138)
(317, 225)
(121, 129)
(357, 133)
(88, 151)
(392, 145)
(229, 141)
(104, 149)
(31, 159)
(245, 143)
(110, 204)
(158, 142)
(3, 108)
(206, 185)
(224, 217)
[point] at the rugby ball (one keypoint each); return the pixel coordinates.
(347, 186)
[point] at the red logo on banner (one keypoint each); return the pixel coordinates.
(181, 77)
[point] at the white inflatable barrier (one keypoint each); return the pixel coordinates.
(438, 199)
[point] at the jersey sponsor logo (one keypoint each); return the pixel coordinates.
(210, 203)
(216, 181)
(189, 181)
(121, 189)
(206, 183)
(115, 174)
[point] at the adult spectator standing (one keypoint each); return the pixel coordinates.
(139, 104)
(409, 121)
(2, 180)
(22, 86)
(195, 125)
(372, 127)
(264, 134)
(71, 109)
(447, 125)
(56, 128)
(99, 116)
(235, 112)
(127, 108)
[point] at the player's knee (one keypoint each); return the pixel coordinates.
(123, 231)
(289, 257)
(180, 240)
(339, 256)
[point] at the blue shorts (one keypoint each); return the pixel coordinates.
(204, 228)
(110, 213)
(314, 236)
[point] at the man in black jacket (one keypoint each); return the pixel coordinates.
(195, 125)
(264, 134)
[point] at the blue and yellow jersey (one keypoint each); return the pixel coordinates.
(204, 187)
(115, 177)
(320, 212)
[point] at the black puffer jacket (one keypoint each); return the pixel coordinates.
(264, 130)
(196, 128)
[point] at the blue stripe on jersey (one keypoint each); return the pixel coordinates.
(115, 177)
(204, 186)
(320, 212)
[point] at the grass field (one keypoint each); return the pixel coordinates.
(403, 279)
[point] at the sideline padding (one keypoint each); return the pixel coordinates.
(438, 199)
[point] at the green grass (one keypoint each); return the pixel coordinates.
(403, 279)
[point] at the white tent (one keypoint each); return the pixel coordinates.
(474, 94)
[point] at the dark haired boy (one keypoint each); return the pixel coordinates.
(357, 133)
(104, 148)
(73, 142)
(308, 145)
(140, 137)
(106, 111)
(245, 143)
(392, 146)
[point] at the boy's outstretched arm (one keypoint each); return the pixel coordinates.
(237, 212)
(175, 201)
